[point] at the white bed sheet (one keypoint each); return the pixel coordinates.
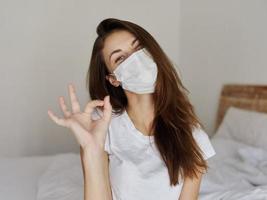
(19, 176)
(237, 172)
(63, 179)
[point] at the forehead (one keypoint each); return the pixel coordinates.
(116, 40)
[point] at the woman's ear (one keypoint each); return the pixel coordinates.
(112, 80)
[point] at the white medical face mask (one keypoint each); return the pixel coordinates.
(138, 72)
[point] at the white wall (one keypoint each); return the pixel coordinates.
(221, 42)
(45, 45)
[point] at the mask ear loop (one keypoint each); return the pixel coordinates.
(112, 74)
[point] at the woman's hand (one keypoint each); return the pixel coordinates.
(89, 133)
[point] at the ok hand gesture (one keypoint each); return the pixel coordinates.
(89, 133)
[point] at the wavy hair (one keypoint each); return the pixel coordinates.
(175, 118)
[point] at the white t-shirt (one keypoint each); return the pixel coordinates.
(136, 169)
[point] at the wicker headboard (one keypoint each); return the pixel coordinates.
(250, 97)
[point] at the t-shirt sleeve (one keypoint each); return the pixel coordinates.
(97, 114)
(107, 143)
(204, 143)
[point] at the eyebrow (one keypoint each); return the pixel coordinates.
(118, 50)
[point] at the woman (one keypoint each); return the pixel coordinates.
(147, 142)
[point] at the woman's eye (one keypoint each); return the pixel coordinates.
(119, 58)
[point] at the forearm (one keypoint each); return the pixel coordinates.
(191, 187)
(96, 176)
(189, 192)
(189, 195)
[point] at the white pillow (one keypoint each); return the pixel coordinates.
(249, 127)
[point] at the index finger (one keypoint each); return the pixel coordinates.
(91, 105)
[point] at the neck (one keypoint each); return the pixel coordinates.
(141, 109)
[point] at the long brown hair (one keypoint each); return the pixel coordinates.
(175, 118)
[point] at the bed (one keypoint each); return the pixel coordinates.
(237, 171)
(41, 177)
(19, 176)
